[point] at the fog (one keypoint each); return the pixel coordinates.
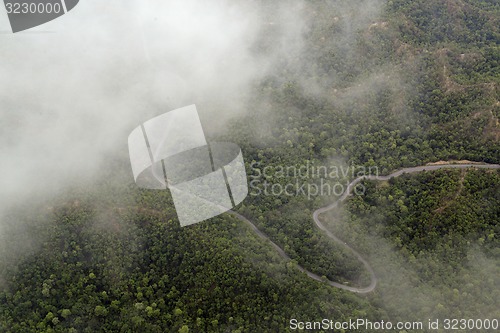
(73, 89)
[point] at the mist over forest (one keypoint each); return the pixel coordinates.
(374, 84)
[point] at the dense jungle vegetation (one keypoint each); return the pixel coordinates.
(418, 83)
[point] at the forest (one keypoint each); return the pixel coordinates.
(418, 83)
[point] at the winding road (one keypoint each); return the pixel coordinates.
(350, 188)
